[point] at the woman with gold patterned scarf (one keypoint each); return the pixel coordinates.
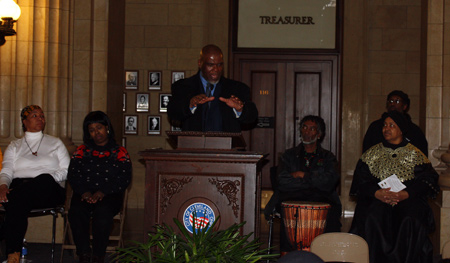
(33, 174)
(394, 222)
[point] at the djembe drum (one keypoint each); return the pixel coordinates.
(303, 221)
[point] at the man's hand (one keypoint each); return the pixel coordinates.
(233, 102)
(3, 192)
(298, 174)
(199, 99)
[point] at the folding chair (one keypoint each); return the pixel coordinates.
(119, 220)
(341, 247)
(42, 212)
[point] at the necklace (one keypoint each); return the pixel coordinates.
(34, 153)
(308, 157)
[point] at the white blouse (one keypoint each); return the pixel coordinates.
(19, 162)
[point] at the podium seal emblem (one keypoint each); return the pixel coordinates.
(204, 217)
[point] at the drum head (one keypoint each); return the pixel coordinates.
(305, 204)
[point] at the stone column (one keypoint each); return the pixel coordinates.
(35, 69)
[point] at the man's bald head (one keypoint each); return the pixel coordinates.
(211, 63)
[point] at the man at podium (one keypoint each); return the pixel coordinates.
(208, 101)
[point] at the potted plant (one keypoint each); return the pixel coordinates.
(202, 246)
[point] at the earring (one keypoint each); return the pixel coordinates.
(107, 131)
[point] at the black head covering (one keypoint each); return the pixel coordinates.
(399, 119)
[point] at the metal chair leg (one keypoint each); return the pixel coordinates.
(55, 215)
(269, 243)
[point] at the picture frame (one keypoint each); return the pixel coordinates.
(131, 79)
(154, 80)
(175, 128)
(153, 125)
(130, 126)
(177, 75)
(164, 99)
(142, 102)
(124, 102)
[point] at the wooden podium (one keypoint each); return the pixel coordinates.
(207, 173)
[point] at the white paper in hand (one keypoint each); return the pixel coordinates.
(392, 182)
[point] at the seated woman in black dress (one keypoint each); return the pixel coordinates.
(395, 224)
(99, 173)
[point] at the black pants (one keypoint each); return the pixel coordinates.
(102, 214)
(25, 195)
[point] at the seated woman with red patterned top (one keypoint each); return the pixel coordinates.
(99, 173)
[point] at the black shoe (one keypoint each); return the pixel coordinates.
(98, 259)
(85, 258)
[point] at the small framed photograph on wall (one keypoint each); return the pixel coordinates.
(154, 80)
(124, 102)
(142, 102)
(131, 124)
(154, 125)
(164, 101)
(175, 128)
(177, 75)
(131, 79)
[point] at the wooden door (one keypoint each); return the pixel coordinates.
(285, 91)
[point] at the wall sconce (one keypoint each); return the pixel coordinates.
(9, 13)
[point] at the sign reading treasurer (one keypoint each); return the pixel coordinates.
(287, 24)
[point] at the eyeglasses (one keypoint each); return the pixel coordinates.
(397, 101)
(312, 128)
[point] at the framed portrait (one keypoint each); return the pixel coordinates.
(177, 75)
(164, 101)
(154, 80)
(130, 124)
(131, 79)
(175, 128)
(142, 102)
(124, 102)
(153, 125)
(124, 142)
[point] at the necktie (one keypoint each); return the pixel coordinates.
(209, 88)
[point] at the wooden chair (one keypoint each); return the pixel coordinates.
(446, 250)
(42, 212)
(341, 247)
(116, 236)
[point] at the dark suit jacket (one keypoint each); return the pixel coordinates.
(184, 89)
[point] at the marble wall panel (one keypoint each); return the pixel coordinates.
(375, 39)
(435, 39)
(434, 70)
(146, 14)
(387, 61)
(401, 39)
(435, 11)
(167, 36)
(409, 83)
(413, 17)
(187, 14)
(388, 17)
(413, 61)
